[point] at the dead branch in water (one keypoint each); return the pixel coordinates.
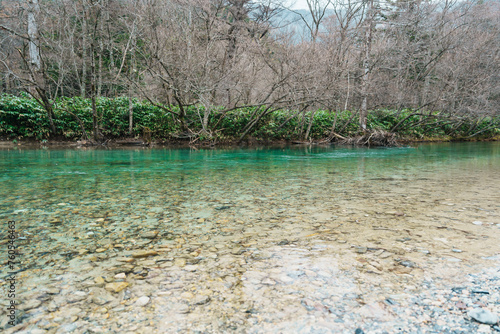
(373, 138)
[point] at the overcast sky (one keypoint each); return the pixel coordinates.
(298, 4)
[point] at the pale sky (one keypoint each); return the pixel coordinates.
(298, 4)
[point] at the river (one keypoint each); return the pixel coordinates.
(257, 240)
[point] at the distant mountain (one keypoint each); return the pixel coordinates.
(293, 21)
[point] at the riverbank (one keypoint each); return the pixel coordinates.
(139, 143)
(23, 120)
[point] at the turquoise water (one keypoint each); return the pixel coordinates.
(127, 182)
(233, 213)
(56, 175)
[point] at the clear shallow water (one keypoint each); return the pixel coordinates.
(30, 174)
(279, 221)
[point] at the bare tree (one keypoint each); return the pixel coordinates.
(317, 10)
(200, 60)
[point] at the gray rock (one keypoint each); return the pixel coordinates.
(191, 267)
(34, 303)
(56, 221)
(237, 251)
(149, 235)
(183, 309)
(37, 331)
(101, 299)
(295, 273)
(408, 264)
(268, 281)
(483, 316)
(361, 250)
(76, 298)
(67, 328)
(52, 307)
(53, 291)
(71, 311)
(201, 300)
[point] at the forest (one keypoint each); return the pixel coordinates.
(210, 71)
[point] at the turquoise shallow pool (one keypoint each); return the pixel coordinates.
(240, 229)
(91, 176)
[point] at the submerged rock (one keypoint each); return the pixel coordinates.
(34, 303)
(183, 309)
(101, 299)
(408, 264)
(181, 262)
(149, 235)
(56, 221)
(116, 287)
(99, 280)
(361, 250)
(146, 253)
(237, 251)
(142, 301)
(201, 300)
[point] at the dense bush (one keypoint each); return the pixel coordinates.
(23, 117)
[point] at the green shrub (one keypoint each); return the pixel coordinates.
(23, 117)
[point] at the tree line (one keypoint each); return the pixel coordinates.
(199, 61)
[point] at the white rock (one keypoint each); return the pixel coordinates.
(121, 276)
(182, 309)
(477, 222)
(484, 329)
(201, 300)
(191, 267)
(142, 301)
(483, 316)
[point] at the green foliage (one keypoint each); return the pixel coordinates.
(23, 117)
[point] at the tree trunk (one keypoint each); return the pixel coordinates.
(132, 75)
(84, 53)
(130, 111)
(363, 113)
(99, 77)
(48, 107)
(35, 63)
(93, 93)
(182, 114)
(311, 120)
(34, 10)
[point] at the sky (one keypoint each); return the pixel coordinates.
(298, 4)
